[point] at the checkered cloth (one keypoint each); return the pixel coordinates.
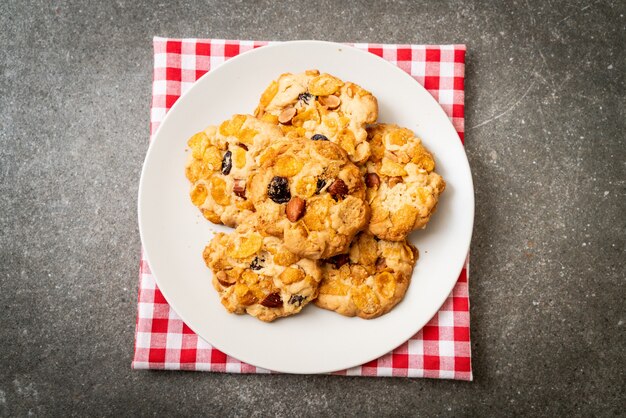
(162, 341)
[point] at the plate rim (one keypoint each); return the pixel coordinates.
(392, 67)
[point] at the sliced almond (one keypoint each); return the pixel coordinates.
(395, 180)
(286, 115)
(331, 102)
(224, 279)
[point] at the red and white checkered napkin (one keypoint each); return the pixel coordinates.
(162, 341)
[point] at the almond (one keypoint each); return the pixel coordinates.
(286, 115)
(331, 102)
(372, 180)
(295, 209)
(223, 279)
(239, 188)
(338, 189)
(381, 264)
(273, 300)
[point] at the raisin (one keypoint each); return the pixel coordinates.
(319, 137)
(257, 263)
(338, 260)
(320, 185)
(242, 145)
(278, 190)
(273, 300)
(305, 97)
(296, 300)
(338, 190)
(227, 163)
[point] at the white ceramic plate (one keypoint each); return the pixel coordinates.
(174, 233)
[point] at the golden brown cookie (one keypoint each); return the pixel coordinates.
(315, 105)
(311, 195)
(402, 188)
(257, 275)
(221, 163)
(368, 281)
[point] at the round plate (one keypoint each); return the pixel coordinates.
(174, 233)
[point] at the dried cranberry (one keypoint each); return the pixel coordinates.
(257, 263)
(227, 163)
(296, 300)
(319, 137)
(278, 190)
(273, 300)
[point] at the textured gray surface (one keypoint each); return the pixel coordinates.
(546, 123)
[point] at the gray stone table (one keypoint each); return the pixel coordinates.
(546, 123)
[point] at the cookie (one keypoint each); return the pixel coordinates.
(310, 194)
(221, 163)
(368, 281)
(257, 275)
(402, 188)
(317, 105)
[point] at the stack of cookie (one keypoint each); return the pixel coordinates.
(322, 199)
